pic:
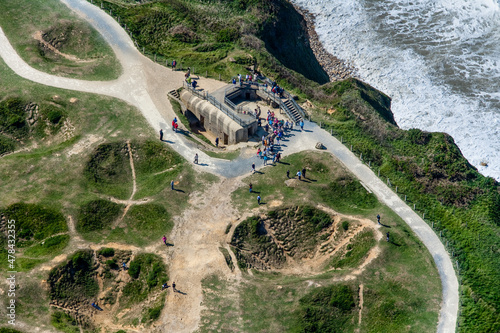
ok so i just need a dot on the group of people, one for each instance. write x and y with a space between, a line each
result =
248 78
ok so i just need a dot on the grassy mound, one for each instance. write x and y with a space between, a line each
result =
147 272
347 194
356 250
64 32
327 309
97 215
108 170
50 247
148 223
34 222
156 165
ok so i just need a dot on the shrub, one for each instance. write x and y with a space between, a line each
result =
74 280
227 35
55 115
345 225
134 269
106 252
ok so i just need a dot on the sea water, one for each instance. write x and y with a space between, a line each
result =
439 61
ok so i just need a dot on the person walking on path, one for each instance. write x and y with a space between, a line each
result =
173 287
299 174
301 125
287 173
164 239
172 185
174 64
304 173
378 218
253 167
161 134
250 187
217 142
265 159
196 158
164 286
387 236
258 199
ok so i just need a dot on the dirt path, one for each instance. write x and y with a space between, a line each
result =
197 235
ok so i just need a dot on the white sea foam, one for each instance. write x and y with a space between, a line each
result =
439 60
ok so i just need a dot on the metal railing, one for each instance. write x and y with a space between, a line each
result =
227 111
278 101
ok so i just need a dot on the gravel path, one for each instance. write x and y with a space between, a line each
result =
145 84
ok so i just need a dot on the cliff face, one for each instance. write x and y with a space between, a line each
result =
285 37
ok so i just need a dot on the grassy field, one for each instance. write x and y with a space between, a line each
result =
66 32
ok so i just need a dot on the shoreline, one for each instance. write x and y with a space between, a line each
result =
337 69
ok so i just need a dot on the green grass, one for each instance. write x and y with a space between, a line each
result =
71 35
97 216
230 155
148 272
64 322
327 182
146 224
50 247
34 222
327 309
108 170
356 251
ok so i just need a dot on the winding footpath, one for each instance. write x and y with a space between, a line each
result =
144 84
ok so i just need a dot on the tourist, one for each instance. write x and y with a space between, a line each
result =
378 218
164 286
253 167
196 158
161 134
304 173
287 173
172 185
387 236
173 287
164 239
250 187
217 142
301 125
174 64
258 199
299 174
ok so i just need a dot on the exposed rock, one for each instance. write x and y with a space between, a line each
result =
319 145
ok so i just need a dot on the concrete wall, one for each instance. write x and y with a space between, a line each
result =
215 120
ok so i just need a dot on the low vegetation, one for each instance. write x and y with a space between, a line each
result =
74 282
34 222
148 272
108 170
429 169
327 309
70 47
96 215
